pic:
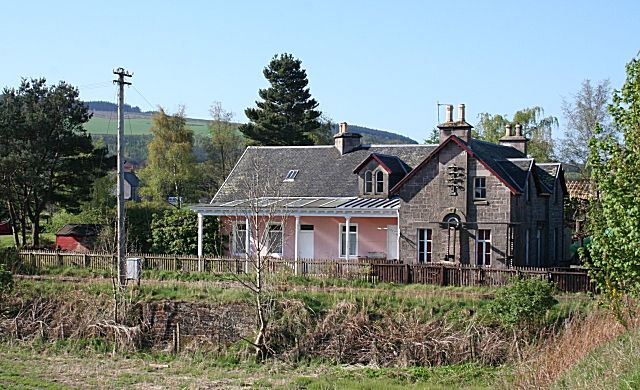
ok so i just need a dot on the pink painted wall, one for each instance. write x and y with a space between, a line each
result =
372 234
326 235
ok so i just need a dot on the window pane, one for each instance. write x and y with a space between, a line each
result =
379 182
480 188
368 182
483 247
353 239
421 246
275 239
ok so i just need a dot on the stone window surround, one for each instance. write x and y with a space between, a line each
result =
482 188
481 244
426 254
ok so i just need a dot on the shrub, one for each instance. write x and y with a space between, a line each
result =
522 303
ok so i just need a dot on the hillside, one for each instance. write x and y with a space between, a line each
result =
104 122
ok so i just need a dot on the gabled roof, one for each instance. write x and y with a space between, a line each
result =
322 170
486 153
391 164
81 230
132 179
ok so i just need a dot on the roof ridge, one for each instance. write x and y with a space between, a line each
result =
288 146
395 145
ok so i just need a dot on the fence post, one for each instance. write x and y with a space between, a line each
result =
441 275
86 260
60 259
297 266
406 276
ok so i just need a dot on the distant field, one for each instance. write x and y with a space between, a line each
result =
6 241
136 126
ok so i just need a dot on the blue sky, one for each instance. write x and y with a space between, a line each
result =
381 64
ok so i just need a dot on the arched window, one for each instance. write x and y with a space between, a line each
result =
368 182
452 221
379 182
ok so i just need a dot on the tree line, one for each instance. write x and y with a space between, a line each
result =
49 163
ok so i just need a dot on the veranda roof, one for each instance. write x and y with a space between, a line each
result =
327 206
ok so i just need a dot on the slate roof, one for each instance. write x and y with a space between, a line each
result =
548 173
393 164
81 230
132 179
512 165
322 171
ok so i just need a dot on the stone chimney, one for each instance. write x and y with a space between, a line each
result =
517 140
459 128
345 141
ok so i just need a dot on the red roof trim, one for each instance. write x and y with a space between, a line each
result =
366 160
463 146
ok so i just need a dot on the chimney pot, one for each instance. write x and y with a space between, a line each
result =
461 113
343 127
507 130
449 117
518 130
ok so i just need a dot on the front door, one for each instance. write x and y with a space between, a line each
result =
392 242
305 242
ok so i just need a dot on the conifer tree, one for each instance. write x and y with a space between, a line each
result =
287 114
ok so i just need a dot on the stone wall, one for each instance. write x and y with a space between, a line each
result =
426 200
215 325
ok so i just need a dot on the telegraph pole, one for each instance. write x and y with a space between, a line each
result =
122 247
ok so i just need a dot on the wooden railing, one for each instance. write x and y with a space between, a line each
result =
370 270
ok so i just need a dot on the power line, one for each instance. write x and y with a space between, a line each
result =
153 108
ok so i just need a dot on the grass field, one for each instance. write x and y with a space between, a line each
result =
6 241
616 365
33 367
136 126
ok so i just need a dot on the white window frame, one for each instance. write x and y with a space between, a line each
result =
234 239
368 182
381 182
269 242
426 255
351 247
483 244
476 187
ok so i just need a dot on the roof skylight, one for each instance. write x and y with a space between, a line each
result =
291 175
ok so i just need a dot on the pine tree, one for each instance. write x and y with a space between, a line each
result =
287 114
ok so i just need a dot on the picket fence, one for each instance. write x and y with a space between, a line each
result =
370 270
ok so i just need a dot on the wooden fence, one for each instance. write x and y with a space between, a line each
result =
371 270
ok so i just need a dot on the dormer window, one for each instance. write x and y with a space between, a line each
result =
368 182
291 175
379 182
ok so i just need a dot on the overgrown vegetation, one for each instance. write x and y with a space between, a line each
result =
614 263
523 303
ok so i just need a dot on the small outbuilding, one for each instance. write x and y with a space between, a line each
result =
5 228
77 237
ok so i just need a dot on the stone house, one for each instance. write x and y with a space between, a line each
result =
463 201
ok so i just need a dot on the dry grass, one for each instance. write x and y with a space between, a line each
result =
557 353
